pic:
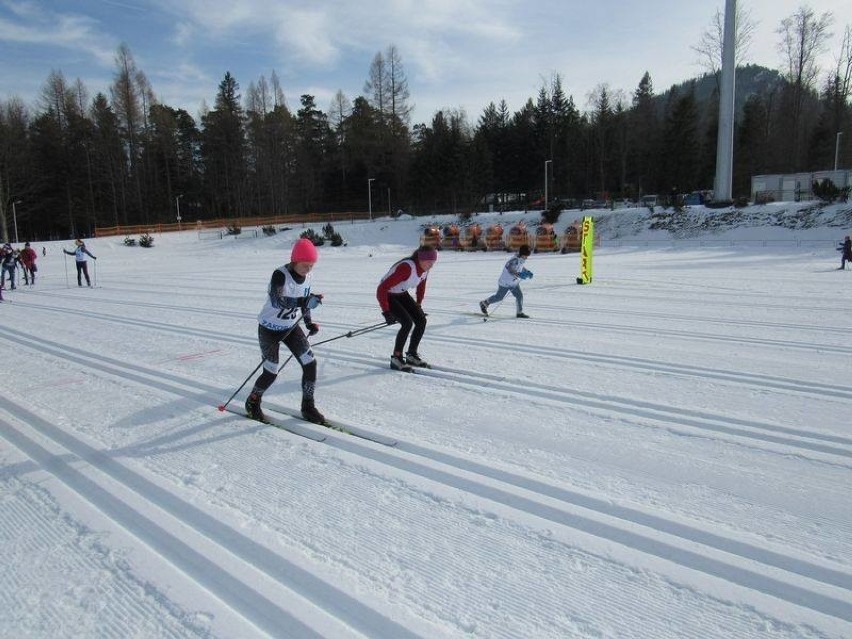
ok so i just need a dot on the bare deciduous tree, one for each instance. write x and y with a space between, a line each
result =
844 65
803 38
709 47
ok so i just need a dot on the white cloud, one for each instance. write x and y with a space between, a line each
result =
456 53
307 34
31 24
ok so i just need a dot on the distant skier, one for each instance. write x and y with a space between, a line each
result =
288 296
8 262
28 261
510 282
398 306
845 253
80 254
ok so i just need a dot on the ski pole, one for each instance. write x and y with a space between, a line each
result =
66 268
354 333
96 273
222 407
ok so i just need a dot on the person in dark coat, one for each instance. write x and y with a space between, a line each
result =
8 262
845 253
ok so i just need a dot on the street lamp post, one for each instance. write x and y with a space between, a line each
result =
15 218
837 149
370 196
546 201
177 204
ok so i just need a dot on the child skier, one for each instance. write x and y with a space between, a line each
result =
289 298
510 282
80 254
398 306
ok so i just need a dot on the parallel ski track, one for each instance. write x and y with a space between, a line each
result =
676 419
753 379
190 552
810 584
579 324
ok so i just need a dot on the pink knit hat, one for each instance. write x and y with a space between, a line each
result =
304 251
426 254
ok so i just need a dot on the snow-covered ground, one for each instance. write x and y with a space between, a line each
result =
665 453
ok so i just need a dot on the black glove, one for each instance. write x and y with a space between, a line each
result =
389 317
313 301
313 328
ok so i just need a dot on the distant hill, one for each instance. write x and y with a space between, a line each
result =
751 79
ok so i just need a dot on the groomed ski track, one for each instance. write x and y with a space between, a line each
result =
187 500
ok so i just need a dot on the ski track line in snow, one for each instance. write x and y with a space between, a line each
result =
664 317
753 379
673 418
757 380
33 520
808 584
183 550
213 310
690 335
676 419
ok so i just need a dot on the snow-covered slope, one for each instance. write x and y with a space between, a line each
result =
663 453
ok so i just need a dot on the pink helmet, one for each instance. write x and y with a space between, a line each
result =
304 251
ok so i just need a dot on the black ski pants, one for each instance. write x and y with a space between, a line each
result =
409 315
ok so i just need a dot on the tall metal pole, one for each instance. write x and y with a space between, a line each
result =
546 201
837 149
15 218
725 139
370 196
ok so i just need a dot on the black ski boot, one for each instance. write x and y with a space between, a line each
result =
397 363
253 407
522 315
413 359
483 306
310 412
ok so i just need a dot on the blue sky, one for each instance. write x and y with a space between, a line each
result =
456 53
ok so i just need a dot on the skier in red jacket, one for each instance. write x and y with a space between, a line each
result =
398 306
28 260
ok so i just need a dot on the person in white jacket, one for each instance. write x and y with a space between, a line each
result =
510 282
80 252
289 300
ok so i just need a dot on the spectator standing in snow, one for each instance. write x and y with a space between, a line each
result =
8 262
288 294
398 306
28 261
845 252
510 282
80 253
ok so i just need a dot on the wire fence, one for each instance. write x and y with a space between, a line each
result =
717 243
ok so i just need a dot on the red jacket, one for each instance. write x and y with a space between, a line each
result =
28 257
401 278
